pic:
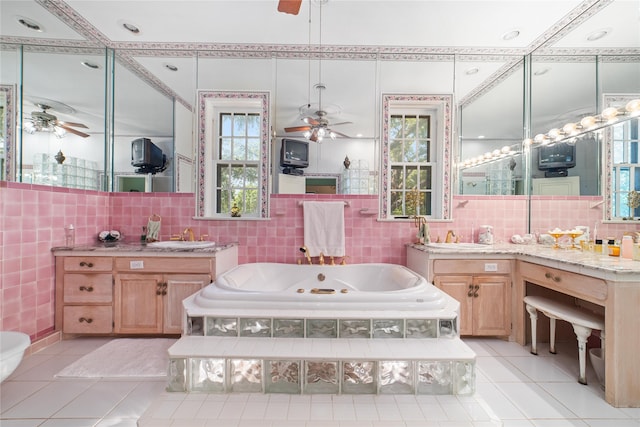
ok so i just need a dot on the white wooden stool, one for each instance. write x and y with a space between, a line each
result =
583 323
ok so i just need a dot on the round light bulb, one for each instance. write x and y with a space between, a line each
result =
610 113
487 155
588 122
570 128
555 133
539 138
496 153
633 106
506 148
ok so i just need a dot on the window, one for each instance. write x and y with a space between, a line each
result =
625 174
233 153
410 155
416 151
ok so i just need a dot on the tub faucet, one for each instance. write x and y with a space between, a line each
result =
451 237
321 259
190 231
305 251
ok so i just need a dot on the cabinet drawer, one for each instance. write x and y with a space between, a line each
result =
80 319
87 263
88 288
164 265
471 266
574 284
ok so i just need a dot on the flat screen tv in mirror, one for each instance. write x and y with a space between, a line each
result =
555 159
294 156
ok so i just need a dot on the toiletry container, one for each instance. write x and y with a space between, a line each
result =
485 235
69 236
626 247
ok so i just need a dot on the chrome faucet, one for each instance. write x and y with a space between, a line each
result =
305 251
192 238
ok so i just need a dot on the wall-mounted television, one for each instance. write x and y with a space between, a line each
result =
557 157
294 155
147 156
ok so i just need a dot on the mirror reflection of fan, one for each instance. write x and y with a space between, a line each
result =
316 129
44 121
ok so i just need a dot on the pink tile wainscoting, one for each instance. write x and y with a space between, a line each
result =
33 219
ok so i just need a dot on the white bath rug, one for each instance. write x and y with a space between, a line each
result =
125 357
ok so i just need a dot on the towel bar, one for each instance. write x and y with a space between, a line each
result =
346 202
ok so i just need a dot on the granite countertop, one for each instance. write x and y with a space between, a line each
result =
124 248
568 259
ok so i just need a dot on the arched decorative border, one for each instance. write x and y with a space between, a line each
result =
446 103
203 96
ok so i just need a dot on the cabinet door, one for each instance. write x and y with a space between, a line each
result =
138 303
491 305
461 289
179 287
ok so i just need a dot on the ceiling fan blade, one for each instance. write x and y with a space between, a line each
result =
72 130
289 6
314 136
339 133
78 125
341 123
297 129
311 121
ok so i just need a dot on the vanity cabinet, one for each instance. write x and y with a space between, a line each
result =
87 294
131 293
484 302
482 286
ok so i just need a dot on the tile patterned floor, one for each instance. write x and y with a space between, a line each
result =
514 389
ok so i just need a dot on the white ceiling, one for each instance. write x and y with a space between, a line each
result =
367 27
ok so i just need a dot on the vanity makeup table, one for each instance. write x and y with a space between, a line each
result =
602 284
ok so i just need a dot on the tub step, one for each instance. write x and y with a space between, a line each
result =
320 365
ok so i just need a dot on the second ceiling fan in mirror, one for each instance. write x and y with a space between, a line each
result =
42 120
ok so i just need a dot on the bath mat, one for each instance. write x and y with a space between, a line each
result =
126 357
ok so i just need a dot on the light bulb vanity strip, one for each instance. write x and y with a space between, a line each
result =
570 132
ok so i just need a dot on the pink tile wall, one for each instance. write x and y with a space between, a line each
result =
33 219
32 222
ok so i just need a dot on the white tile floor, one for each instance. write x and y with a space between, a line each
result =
514 389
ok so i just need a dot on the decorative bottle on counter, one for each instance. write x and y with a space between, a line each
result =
626 247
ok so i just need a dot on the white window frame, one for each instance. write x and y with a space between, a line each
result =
439 107
613 193
210 105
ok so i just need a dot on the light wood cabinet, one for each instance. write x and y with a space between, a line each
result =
484 302
85 296
152 303
130 294
482 286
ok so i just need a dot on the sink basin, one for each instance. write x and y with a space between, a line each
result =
178 244
457 246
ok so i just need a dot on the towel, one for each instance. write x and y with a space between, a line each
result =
324 228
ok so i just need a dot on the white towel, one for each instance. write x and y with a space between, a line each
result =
324 228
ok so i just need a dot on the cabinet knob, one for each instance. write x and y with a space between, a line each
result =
85 319
86 288
86 264
556 279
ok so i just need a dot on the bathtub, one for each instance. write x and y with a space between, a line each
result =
12 348
357 287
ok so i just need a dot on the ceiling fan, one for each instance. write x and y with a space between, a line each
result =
316 129
44 121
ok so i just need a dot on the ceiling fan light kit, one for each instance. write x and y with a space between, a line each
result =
42 121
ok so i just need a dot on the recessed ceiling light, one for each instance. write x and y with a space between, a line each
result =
541 71
131 28
510 35
170 67
471 71
29 23
480 136
597 35
91 65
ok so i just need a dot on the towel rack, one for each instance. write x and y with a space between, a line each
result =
346 203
